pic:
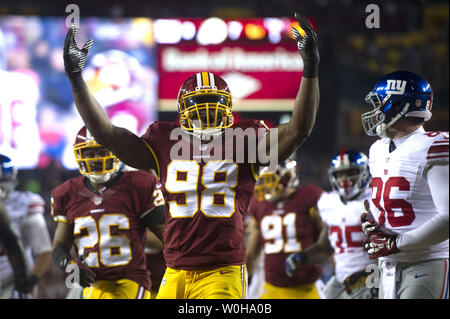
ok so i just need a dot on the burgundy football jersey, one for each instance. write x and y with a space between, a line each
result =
207 193
107 225
286 227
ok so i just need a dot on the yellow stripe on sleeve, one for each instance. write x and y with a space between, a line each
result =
154 156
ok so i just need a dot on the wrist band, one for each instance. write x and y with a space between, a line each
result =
310 70
76 82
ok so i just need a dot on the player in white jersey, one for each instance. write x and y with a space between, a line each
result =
407 222
340 211
25 211
19 95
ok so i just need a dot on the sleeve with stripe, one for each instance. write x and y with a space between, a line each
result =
438 152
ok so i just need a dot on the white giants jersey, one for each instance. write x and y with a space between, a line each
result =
344 232
19 132
26 213
401 198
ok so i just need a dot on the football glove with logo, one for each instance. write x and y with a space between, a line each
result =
307 46
74 58
381 245
293 260
368 223
62 258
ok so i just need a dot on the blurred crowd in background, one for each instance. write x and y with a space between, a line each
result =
413 36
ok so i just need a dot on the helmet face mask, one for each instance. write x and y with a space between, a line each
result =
349 174
94 161
205 105
397 95
8 176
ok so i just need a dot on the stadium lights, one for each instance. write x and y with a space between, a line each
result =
255 31
212 31
167 31
188 30
275 26
234 30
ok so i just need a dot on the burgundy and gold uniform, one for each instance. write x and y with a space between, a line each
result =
107 228
207 190
287 227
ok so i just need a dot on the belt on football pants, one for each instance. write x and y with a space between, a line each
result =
355 281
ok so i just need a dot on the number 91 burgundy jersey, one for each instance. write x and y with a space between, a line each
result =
285 229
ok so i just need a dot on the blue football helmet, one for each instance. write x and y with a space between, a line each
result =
8 176
398 94
349 174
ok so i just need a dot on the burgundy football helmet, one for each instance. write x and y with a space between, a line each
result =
94 161
204 103
273 181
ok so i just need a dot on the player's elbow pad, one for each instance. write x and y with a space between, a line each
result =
156 216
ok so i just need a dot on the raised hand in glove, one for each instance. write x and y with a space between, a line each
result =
368 223
74 58
307 46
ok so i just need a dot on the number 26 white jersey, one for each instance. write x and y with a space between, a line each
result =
401 198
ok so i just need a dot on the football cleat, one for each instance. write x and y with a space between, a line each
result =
8 176
349 174
94 161
397 95
273 181
205 104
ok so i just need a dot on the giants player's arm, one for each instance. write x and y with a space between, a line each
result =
10 242
37 237
128 147
254 245
436 229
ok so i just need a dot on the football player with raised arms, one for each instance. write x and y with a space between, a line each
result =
105 213
407 221
284 223
340 212
26 211
207 199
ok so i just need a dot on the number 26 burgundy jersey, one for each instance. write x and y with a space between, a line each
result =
108 224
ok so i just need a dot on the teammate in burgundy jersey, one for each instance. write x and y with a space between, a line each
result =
285 224
207 195
105 214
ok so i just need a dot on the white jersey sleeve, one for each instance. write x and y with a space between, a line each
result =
408 195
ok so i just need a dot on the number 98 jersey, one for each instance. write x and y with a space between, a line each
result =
207 189
401 198
108 224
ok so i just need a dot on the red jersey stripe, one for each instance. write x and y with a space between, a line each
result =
437 156
438 149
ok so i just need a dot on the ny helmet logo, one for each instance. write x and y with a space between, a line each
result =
395 87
